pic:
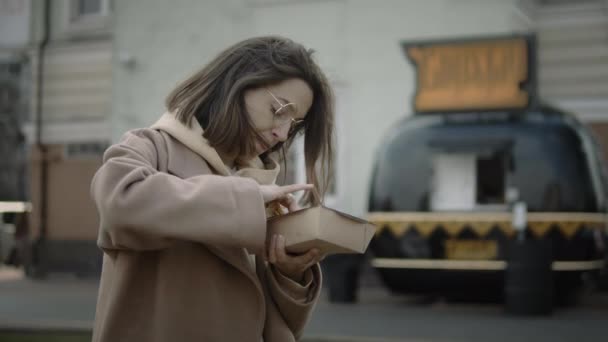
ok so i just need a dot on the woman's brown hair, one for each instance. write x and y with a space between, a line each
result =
215 97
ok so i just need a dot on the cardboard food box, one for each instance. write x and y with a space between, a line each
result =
320 227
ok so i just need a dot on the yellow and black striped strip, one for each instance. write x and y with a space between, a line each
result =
539 223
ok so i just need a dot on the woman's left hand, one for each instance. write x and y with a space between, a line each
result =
289 202
292 266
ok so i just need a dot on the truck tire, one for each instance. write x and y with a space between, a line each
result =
342 275
529 279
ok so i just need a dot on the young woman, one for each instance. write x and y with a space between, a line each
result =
183 204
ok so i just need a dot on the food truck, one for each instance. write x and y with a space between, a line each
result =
483 185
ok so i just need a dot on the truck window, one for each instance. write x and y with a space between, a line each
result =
468 181
491 179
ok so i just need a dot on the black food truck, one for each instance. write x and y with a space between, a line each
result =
484 190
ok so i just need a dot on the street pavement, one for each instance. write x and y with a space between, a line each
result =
380 316
57 303
64 302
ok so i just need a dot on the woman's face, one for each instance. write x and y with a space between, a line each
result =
273 109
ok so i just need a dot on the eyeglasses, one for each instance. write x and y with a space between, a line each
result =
286 114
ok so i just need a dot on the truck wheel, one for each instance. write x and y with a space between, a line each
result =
342 275
569 288
529 278
602 281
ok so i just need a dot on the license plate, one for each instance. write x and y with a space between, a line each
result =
471 249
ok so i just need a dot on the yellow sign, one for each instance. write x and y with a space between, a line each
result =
471 249
471 75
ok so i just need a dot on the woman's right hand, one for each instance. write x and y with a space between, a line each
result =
274 192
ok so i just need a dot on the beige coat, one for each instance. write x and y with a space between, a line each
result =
175 230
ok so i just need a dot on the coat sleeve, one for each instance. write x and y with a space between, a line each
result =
141 208
294 301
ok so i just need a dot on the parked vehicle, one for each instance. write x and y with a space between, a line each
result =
440 197
501 203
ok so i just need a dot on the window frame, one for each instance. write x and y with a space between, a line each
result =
88 24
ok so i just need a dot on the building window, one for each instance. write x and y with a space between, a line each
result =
87 150
88 7
89 17
470 181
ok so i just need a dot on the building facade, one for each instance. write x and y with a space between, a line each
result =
573 59
357 44
108 66
67 129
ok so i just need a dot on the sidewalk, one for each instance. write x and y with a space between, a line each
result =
64 304
60 302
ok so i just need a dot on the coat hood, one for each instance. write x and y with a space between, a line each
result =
192 137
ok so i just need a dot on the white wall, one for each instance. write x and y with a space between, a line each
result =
357 41
168 40
382 80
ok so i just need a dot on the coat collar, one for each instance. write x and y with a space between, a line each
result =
192 137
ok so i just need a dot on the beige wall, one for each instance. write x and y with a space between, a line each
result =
71 212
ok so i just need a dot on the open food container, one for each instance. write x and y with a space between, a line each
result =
329 230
